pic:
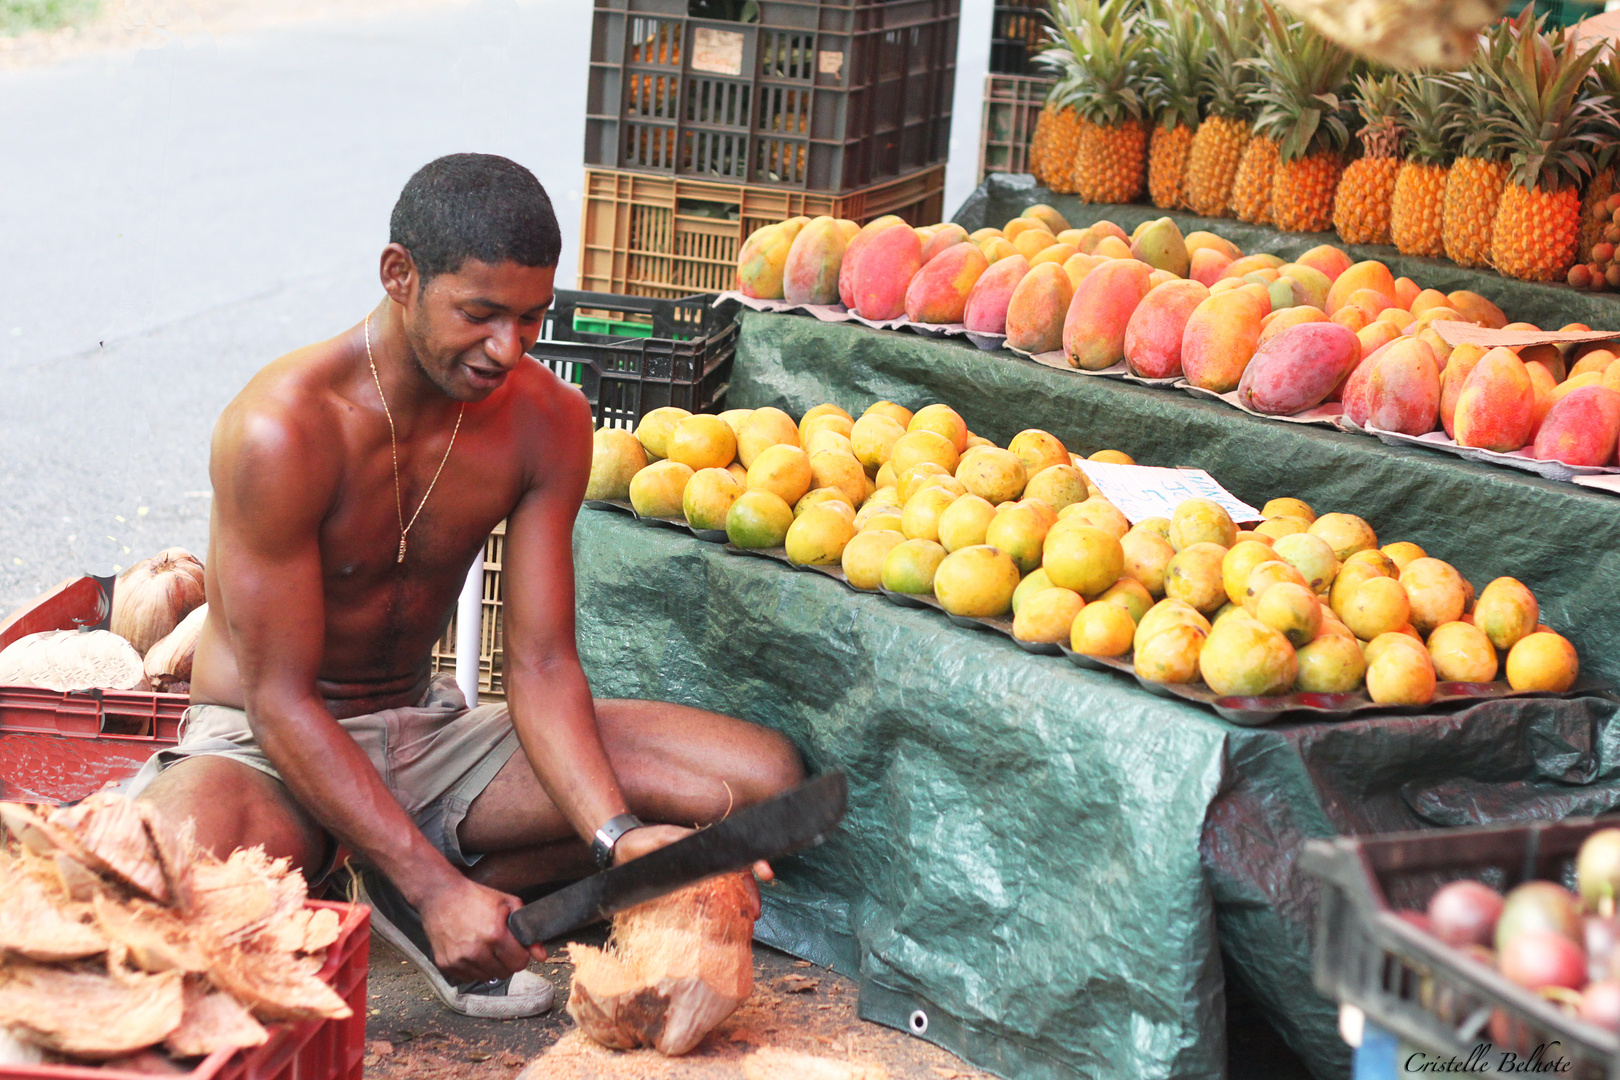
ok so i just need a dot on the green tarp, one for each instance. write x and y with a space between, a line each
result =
1039 858
1003 196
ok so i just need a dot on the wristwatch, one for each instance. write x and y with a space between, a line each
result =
607 837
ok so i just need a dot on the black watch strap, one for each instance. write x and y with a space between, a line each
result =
607 837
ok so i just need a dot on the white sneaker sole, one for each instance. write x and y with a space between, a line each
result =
527 994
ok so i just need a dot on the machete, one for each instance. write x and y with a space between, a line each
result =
781 825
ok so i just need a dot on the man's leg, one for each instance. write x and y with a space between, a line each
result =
235 806
676 765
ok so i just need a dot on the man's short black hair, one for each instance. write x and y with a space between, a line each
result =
474 206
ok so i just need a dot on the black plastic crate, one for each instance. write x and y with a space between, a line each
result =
686 363
817 95
1017 33
1407 981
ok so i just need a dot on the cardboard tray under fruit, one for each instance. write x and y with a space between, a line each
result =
1243 710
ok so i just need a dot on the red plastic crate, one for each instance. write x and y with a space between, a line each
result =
311 1050
59 747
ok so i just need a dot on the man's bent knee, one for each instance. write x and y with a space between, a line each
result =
779 766
235 806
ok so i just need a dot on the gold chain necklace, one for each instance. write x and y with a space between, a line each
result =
393 445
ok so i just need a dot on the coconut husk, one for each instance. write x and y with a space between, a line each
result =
212 1021
168 663
113 841
277 986
1404 34
72 660
673 968
86 1013
232 901
38 926
154 938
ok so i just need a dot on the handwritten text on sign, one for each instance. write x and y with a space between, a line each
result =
1143 491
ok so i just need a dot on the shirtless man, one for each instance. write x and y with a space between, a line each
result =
355 482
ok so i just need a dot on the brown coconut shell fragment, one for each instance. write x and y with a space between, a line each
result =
673 968
88 1013
212 1021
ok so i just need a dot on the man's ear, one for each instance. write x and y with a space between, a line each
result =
398 273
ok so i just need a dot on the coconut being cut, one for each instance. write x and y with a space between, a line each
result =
673 969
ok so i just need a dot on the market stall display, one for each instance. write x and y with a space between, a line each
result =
1298 613
1274 105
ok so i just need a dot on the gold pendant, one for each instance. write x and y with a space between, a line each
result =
401 551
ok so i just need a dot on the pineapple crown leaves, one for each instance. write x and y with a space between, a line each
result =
1480 105
1178 41
1304 106
1429 107
1606 81
1552 118
1110 61
1225 80
1378 102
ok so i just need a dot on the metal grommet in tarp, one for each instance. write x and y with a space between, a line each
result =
918 1022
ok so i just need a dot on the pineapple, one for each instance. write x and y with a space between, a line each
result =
1554 125
1303 112
1475 181
1251 188
1217 147
1416 215
1178 44
1361 205
1055 146
1113 141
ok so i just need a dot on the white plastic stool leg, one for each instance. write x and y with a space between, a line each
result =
469 630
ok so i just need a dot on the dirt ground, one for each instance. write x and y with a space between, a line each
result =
797 1012
800 1024
145 24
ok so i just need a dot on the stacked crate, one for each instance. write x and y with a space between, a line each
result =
700 128
1015 89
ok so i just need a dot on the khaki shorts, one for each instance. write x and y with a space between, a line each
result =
435 757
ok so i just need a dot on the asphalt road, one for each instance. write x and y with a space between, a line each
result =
172 219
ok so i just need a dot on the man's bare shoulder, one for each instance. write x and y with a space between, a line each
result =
547 407
290 407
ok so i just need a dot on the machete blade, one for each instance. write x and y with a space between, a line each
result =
789 822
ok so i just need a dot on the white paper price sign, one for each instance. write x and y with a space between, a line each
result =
1144 491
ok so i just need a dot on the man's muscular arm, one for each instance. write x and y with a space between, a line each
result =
274 472
546 689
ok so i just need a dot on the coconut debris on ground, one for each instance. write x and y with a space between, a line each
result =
798 1015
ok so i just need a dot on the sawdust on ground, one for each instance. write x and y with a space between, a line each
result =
799 1024
145 24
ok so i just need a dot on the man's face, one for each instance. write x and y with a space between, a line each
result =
470 328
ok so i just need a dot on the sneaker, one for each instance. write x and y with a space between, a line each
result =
523 994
